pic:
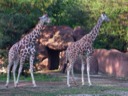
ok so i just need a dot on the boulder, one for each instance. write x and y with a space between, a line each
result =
42 65
42 52
56 37
112 62
52 41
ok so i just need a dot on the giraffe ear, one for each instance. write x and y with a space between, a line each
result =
39 18
46 15
103 13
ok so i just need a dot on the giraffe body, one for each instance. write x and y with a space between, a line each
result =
23 49
83 49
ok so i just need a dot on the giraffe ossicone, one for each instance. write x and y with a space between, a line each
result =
83 49
23 49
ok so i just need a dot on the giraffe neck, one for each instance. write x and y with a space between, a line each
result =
36 32
94 32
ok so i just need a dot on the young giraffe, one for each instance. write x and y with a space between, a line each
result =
23 49
83 48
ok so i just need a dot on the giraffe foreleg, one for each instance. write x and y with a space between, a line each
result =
82 74
88 70
14 71
22 60
31 70
8 73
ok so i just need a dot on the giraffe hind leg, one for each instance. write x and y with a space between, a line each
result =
82 74
82 57
22 60
88 70
31 70
68 75
8 73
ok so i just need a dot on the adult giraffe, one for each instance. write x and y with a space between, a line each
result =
83 48
23 49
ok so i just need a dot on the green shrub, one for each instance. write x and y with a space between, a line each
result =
19 16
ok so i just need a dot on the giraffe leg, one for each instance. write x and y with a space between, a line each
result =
14 71
31 70
22 60
8 73
68 74
82 73
72 71
88 70
73 78
82 69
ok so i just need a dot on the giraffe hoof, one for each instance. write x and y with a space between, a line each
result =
90 84
34 85
6 85
69 86
16 85
83 84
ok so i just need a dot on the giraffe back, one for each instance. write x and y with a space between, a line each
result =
79 47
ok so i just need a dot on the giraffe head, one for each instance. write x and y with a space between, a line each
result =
44 19
104 17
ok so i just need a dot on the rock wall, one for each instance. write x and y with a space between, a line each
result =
112 62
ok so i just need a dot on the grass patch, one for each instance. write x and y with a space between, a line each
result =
83 90
57 91
121 89
38 77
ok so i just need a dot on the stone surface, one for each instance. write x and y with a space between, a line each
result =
53 40
56 37
112 62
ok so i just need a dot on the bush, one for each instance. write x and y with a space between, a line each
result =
18 16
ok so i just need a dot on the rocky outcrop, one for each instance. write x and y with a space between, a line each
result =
112 62
52 41
56 37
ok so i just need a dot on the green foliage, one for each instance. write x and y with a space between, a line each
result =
18 16
11 28
68 12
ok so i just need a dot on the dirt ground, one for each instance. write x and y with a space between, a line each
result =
118 87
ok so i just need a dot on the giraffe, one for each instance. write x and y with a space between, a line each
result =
23 49
83 49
